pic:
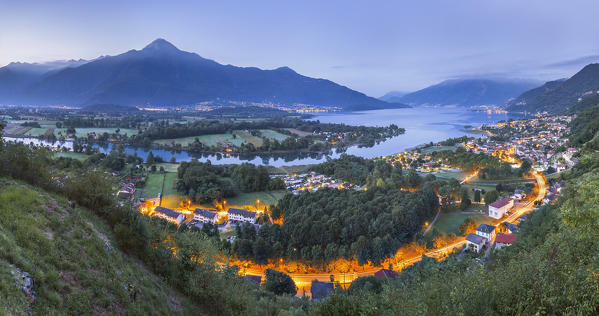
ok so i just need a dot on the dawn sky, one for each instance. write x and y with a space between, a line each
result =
371 46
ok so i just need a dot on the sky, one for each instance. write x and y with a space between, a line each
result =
370 46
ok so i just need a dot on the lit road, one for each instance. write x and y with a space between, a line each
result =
303 281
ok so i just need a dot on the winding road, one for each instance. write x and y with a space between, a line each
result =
303 281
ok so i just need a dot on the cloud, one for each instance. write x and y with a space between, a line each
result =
580 61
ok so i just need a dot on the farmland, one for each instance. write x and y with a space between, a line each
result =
82 132
273 135
207 140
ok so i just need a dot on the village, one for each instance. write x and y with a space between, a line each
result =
540 140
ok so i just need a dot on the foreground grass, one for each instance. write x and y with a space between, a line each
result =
74 262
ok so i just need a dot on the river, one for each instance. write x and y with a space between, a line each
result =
423 125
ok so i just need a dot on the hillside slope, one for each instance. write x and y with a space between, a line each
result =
561 96
73 261
468 92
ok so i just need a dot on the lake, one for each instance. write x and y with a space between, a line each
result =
423 125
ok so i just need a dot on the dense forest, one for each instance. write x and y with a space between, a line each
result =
488 167
361 171
204 182
321 226
584 129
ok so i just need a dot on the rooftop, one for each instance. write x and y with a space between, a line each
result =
474 238
485 228
505 238
205 213
167 211
242 212
501 203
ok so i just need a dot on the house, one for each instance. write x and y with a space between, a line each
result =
518 194
241 215
503 240
475 242
508 227
170 215
486 231
523 218
204 215
321 290
498 208
384 274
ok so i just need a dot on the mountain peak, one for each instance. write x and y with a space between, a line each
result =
159 45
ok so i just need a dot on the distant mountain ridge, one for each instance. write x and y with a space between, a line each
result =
393 96
468 92
161 74
562 95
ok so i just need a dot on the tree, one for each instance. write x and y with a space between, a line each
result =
491 196
279 283
261 251
150 159
468 226
465 199
445 193
476 195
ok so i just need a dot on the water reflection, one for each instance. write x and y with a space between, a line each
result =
422 125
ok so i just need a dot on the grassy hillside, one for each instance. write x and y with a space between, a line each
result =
73 260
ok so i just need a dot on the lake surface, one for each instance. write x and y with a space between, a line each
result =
423 125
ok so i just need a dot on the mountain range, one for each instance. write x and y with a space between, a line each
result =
467 92
393 96
561 96
161 74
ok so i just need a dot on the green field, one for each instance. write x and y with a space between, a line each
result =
486 187
458 175
273 135
298 132
450 222
153 185
170 181
82 132
168 167
256 141
208 140
15 129
250 198
36 132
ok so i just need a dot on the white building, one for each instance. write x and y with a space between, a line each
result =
170 215
498 208
475 242
241 215
486 231
204 215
